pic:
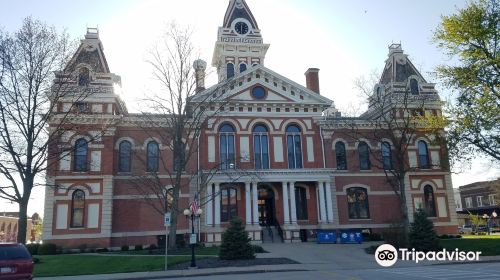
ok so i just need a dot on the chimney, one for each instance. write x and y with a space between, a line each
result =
312 79
199 72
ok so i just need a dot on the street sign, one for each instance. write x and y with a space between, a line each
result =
192 238
168 218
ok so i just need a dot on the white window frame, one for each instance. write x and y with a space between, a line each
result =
491 199
468 202
479 200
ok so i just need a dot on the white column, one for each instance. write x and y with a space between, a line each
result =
248 204
209 208
285 203
329 207
322 210
217 203
293 206
255 207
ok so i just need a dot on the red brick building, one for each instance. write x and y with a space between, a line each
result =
307 173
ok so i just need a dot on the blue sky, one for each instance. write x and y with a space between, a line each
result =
345 39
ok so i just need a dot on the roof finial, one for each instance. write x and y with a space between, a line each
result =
92 33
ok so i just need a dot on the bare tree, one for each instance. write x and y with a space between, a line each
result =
181 106
28 60
392 123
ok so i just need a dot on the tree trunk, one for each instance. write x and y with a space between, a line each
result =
404 214
173 226
23 221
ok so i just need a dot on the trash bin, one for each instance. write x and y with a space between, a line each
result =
351 237
325 237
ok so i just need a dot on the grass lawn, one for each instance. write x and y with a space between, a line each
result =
489 245
206 251
65 265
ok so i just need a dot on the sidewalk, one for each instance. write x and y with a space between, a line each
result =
186 273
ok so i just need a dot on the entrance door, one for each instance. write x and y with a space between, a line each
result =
265 204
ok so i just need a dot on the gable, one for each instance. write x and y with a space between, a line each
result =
91 53
238 9
270 96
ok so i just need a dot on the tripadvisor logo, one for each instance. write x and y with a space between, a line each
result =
386 255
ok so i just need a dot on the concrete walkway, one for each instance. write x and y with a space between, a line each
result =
312 256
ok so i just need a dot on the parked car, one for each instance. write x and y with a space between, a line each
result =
15 262
465 229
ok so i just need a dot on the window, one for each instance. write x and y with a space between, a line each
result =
423 157
479 200
357 200
84 77
260 147
179 156
124 154
80 153
228 204
81 107
430 205
153 156
414 87
243 67
301 203
364 156
491 199
340 155
294 147
386 155
258 92
226 145
77 208
468 202
230 70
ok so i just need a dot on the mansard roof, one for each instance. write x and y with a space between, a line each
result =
398 67
279 89
238 9
91 53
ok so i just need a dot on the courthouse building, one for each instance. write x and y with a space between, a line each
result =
307 174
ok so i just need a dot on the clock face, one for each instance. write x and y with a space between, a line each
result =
241 28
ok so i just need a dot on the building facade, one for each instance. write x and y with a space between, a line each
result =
480 198
286 164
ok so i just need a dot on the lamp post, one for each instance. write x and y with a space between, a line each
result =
192 238
488 221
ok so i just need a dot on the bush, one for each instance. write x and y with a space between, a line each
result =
33 248
372 237
124 247
394 235
236 243
82 248
258 249
102 250
47 249
180 240
152 247
422 235
138 247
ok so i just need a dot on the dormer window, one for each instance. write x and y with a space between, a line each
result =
414 87
84 77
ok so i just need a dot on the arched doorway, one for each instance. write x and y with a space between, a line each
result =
267 210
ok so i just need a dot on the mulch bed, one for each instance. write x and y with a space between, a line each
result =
216 262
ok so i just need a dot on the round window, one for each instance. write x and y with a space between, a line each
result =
258 92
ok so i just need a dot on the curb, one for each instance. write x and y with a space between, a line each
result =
485 261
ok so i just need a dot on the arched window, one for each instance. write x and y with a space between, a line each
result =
385 147
77 208
83 77
153 156
228 207
226 146
430 205
414 87
80 155
301 203
357 201
243 67
294 147
340 155
260 147
423 155
230 70
364 156
124 154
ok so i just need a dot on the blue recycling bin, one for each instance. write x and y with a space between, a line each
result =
325 237
351 237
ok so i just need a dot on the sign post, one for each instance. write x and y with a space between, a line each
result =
167 219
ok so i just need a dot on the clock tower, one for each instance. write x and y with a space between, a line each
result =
239 43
